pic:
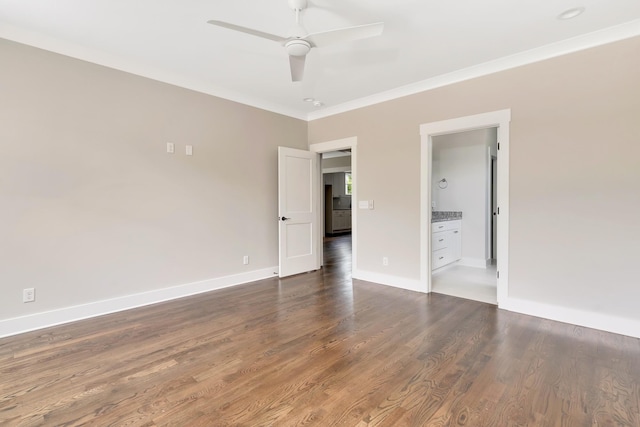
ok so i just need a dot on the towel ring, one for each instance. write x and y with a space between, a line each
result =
442 184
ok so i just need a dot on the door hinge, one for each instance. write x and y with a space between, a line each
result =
498 146
498 274
498 210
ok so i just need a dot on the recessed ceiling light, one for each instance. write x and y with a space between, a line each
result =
571 13
308 99
317 104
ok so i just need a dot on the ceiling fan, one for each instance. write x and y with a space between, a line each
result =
299 42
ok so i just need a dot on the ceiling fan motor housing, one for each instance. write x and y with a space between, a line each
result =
297 47
298 4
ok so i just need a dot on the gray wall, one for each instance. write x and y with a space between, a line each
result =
92 206
575 175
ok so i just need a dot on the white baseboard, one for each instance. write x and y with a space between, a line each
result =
473 262
18 325
388 280
603 322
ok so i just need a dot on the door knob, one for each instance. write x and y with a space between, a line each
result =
284 218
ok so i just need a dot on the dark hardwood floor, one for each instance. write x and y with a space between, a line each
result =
317 349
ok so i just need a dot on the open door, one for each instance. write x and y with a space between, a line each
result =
494 208
297 207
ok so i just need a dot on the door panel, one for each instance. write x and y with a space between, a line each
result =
299 240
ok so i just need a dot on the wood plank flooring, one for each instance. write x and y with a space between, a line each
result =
319 350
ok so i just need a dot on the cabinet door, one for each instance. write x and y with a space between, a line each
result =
338 184
338 220
348 219
456 244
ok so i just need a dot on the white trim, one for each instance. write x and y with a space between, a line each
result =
388 280
498 119
589 319
473 262
444 268
337 169
18 325
564 47
335 145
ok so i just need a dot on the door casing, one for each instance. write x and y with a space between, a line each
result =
334 145
501 120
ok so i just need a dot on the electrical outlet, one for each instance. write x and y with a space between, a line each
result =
28 295
171 147
245 259
385 261
189 150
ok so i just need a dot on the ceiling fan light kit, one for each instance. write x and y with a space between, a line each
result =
298 47
299 42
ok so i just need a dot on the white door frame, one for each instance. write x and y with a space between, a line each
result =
501 120
335 145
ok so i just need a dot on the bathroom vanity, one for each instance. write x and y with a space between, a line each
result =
446 238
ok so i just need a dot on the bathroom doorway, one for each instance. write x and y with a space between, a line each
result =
462 214
475 249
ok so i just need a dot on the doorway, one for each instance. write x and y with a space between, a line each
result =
500 120
461 215
335 201
338 186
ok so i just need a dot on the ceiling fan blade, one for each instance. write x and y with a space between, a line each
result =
345 34
297 67
248 31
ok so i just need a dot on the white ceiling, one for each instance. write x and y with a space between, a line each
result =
425 43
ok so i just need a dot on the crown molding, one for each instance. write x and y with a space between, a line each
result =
586 41
575 44
132 66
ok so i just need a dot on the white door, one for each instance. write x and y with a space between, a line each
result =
494 207
297 207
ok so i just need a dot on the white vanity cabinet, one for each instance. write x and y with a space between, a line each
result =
446 243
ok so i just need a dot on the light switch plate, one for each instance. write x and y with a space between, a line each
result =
171 147
363 204
189 150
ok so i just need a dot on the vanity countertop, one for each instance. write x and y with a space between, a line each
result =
439 216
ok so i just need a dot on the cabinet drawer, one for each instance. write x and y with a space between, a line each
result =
438 241
439 258
445 226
